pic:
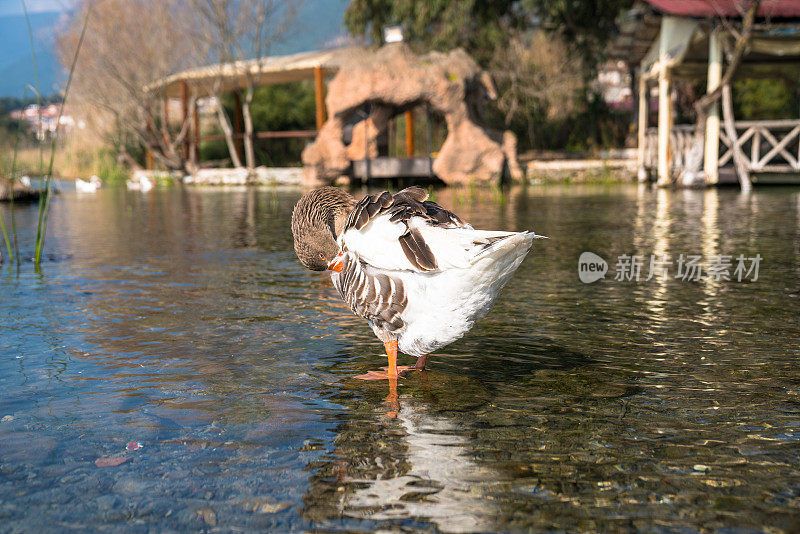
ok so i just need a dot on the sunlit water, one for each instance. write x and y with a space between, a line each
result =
180 319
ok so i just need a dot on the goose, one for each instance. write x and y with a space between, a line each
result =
90 186
418 273
140 183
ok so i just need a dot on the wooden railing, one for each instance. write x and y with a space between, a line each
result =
766 146
288 134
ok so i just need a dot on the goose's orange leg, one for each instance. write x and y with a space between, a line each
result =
393 401
392 372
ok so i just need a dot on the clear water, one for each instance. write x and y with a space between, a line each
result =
181 320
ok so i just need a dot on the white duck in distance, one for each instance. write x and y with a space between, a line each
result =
416 272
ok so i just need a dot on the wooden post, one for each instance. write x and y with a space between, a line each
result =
429 140
238 134
409 133
165 110
319 95
185 117
149 160
711 159
739 159
196 131
664 108
644 101
165 118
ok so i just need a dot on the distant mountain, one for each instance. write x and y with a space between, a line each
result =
318 25
16 66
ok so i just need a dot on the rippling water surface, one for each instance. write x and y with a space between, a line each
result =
180 319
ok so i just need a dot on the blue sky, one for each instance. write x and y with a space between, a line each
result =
14 7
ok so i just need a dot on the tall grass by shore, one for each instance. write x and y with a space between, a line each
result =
74 158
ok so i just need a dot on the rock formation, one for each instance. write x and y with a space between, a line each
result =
393 79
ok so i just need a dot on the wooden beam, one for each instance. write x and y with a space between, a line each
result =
185 117
165 118
196 132
166 111
409 133
149 158
319 95
730 129
664 114
288 134
778 147
644 100
711 155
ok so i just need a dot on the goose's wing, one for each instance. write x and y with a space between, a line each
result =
385 230
405 231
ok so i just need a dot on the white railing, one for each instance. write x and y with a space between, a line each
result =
766 146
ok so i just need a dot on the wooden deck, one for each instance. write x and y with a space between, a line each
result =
385 167
22 193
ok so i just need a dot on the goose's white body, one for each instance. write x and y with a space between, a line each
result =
443 303
142 183
90 186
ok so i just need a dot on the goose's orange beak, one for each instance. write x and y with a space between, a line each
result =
336 265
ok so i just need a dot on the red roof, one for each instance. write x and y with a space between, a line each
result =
726 8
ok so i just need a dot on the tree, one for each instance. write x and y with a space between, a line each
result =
475 25
129 44
509 39
537 80
236 30
482 27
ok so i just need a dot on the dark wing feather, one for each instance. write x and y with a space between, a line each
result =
417 250
377 297
402 206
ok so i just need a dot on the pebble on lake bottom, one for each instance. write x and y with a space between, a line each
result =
111 461
263 506
207 515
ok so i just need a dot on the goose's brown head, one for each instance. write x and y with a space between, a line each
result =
317 220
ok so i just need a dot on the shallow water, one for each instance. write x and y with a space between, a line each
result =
181 320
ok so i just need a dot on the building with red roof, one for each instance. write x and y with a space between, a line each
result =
664 41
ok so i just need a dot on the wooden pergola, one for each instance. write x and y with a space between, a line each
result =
214 80
665 40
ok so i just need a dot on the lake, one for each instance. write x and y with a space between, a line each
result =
176 332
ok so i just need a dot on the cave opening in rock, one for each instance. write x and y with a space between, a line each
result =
385 141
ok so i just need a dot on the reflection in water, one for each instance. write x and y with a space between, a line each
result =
439 481
710 243
410 463
181 320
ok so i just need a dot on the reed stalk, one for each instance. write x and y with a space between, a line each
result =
36 88
12 177
5 238
44 205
